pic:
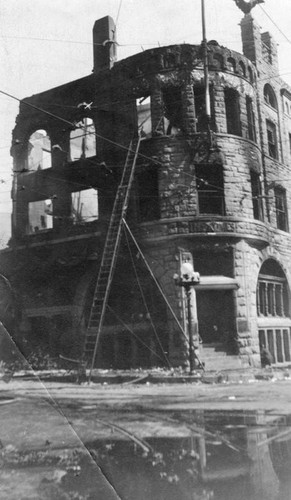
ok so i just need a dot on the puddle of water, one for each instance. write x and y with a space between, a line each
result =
220 455
227 455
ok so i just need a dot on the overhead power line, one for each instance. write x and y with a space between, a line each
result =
275 24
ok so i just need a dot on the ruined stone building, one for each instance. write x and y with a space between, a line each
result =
218 193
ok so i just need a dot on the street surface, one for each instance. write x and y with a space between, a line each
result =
55 436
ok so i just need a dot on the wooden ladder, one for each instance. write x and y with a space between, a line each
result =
109 257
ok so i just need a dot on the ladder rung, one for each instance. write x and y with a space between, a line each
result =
104 277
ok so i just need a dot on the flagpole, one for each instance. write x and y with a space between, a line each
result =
205 63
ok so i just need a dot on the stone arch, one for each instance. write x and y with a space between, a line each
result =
273 312
270 96
271 253
231 64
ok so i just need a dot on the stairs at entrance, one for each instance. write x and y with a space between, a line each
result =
215 358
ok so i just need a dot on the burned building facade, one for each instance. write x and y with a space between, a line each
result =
216 192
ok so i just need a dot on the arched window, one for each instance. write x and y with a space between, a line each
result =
270 97
231 64
39 151
272 296
218 61
83 140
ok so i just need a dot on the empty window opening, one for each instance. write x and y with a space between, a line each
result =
85 206
144 116
270 97
256 196
232 111
218 60
242 68
272 139
148 194
39 151
281 208
200 109
173 114
251 119
83 140
231 64
40 216
209 179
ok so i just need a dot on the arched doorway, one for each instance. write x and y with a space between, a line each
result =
273 311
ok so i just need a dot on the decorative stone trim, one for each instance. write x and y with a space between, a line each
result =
228 227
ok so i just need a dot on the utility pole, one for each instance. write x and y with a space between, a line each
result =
205 64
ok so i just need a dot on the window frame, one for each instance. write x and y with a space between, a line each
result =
272 297
281 208
251 119
81 149
270 97
206 189
272 139
232 111
256 188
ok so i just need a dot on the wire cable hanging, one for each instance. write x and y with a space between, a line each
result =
144 300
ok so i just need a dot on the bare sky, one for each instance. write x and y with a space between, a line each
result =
45 43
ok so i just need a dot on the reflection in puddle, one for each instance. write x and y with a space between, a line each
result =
222 456
208 455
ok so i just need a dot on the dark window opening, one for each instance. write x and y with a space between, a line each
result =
242 68
210 190
148 194
173 112
270 97
232 111
281 208
251 119
256 196
231 64
290 144
200 111
272 139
